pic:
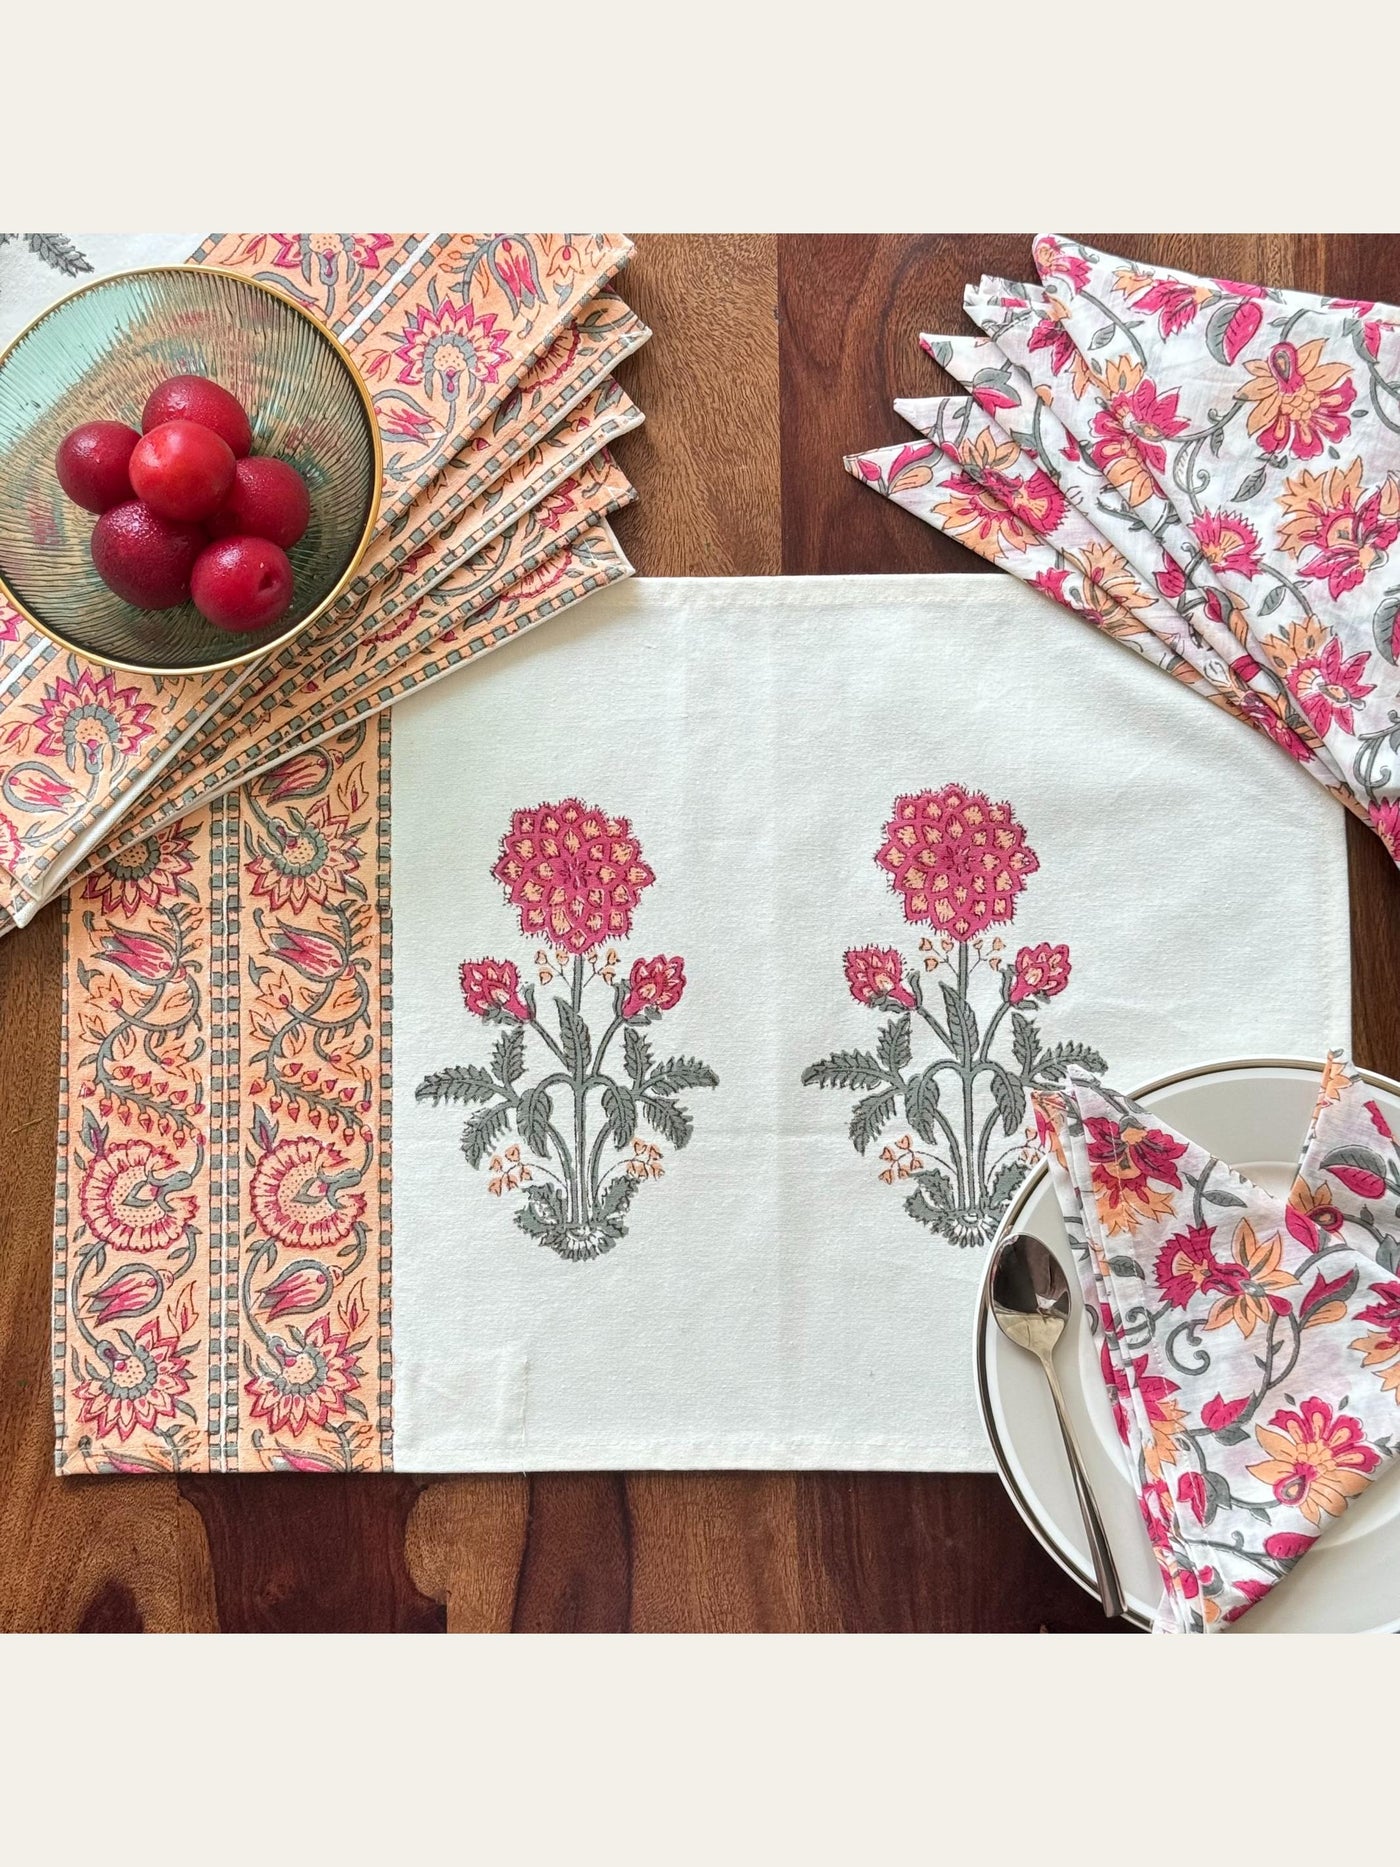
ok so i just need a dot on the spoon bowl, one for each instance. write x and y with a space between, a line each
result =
1030 1302
1030 1293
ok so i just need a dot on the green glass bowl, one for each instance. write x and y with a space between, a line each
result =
95 356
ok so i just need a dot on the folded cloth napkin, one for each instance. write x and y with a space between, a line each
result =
1250 1345
1234 452
488 358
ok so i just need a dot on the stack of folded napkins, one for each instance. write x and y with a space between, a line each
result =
490 360
1205 469
1250 1345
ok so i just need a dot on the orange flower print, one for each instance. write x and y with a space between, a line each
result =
307 1381
1125 1160
1298 402
1006 510
1380 1348
1334 1080
1165 1418
1317 1461
133 1197
1187 1265
302 1194
1337 530
1311 1211
1054 261
1326 684
1110 592
145 1378
1255 1278
1173 301
143 875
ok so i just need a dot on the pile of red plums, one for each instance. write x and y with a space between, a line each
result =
188 511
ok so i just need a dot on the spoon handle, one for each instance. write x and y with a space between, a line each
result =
1110 1589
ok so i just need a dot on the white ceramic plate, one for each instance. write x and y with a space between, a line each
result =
1253 1115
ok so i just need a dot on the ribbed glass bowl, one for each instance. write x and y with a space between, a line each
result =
96 356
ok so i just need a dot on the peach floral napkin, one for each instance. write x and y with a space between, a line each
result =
1207 469
1250 1345
488 357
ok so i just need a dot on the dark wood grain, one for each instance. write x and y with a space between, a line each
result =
773 358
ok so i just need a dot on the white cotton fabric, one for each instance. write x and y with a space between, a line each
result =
772 1304
29 283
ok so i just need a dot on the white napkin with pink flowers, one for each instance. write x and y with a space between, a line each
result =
1205 469
1250 1345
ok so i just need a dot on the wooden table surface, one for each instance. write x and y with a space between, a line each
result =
772 357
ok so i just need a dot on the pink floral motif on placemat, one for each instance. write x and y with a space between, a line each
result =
576 875
954 1130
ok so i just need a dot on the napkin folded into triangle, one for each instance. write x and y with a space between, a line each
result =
1206 469
1250 1344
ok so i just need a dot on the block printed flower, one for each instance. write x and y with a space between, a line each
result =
654 985
133 1197
575 875
145 874
1317 1460
957 863
304 1379
91 722
490 986
956 860
1336 529
1298 402
143 1381
875 975
448 349
303 1194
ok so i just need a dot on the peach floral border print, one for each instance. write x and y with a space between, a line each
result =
72 752
380 669
220 1309
332 275
76 739
290 684
603 417
581 357
217 1307
565 1111
457 331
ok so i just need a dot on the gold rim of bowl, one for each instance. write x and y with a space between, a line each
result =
376 442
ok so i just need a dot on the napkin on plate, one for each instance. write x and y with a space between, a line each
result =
1250 1345
1235 451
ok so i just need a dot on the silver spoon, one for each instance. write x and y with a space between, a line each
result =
1030 1300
